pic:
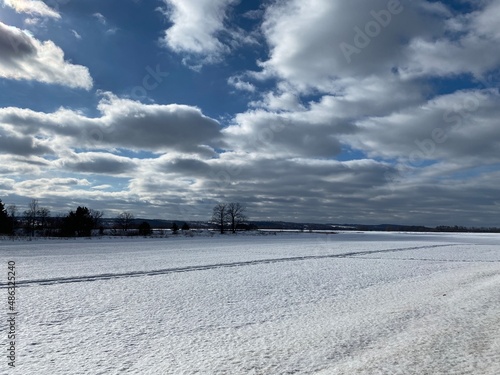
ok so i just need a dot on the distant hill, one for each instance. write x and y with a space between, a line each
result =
284 225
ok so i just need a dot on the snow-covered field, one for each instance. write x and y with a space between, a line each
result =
350 303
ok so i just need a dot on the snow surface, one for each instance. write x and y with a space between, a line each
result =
350 303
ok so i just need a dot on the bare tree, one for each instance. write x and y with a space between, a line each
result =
124 220
31 216
43 215
96 217
219 215
12 211
235 215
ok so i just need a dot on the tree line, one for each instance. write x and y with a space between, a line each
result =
83 221
38 220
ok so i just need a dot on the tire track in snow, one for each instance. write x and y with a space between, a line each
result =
434 260
109 276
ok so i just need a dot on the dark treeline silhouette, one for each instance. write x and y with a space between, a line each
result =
78 223
456 228
81 222
417 228
6 221
145 229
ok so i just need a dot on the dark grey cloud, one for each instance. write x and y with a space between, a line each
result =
14 44
19 145
185 167
159 128
22 57
98 163
321 191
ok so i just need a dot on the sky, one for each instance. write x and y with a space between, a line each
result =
327 111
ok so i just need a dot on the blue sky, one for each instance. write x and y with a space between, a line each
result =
325 111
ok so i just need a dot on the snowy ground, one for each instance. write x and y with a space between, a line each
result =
351 303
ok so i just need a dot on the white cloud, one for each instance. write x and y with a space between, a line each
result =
100 18
32 7
22 166
22 57
112 31
103 21
123 124
284 135
467 47
59 183
314 45
485 21
305 40
64 192
281 124
197 26
75 33
156 127
102 187
239 84
444 58
6 184
460 127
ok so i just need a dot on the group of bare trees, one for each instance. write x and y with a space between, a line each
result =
124 221
228 214
36 217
